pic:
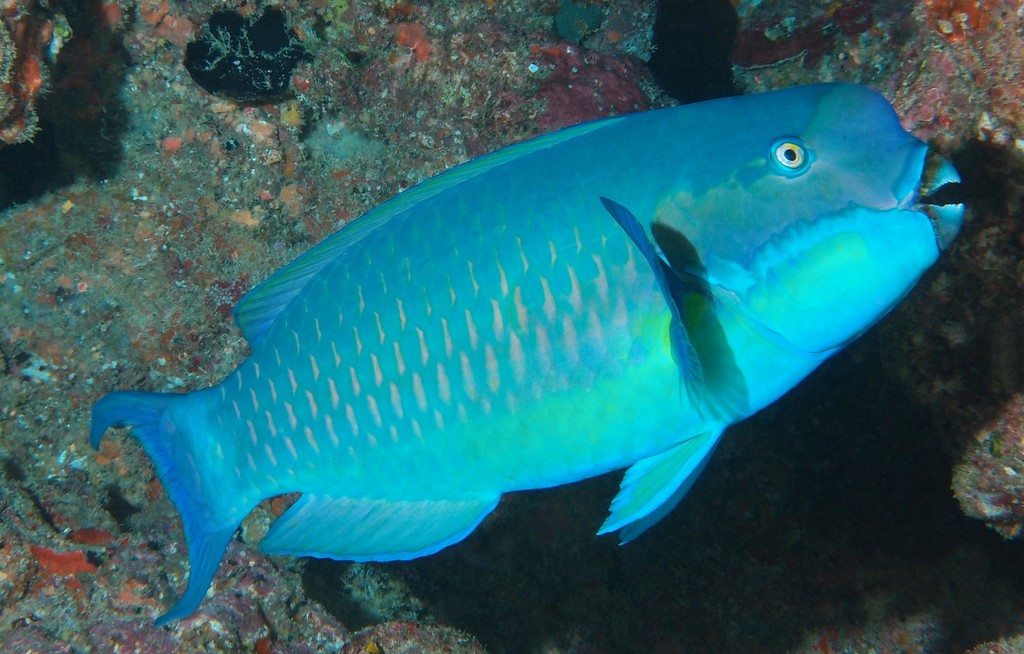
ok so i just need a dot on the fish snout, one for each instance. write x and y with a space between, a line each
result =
940 197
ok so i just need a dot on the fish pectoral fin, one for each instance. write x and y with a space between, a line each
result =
690 371
654 486
361 529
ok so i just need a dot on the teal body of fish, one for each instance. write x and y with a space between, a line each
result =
612 295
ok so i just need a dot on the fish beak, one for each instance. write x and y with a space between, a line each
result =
940 197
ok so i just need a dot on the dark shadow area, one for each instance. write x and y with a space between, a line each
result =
119 508
81 119
692 43
321 582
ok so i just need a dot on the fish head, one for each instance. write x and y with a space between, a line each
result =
822 217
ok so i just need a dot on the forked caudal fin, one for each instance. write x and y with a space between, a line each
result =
169 428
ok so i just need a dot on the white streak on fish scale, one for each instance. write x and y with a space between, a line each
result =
493 372
238 378
335 398
337 357
316 325
543 345
575 296
407 264
401 314
595 331
298 341
502 279
570 344
255 400
293 421
362 301
424 351
252 432
517 358
418 392
383 284
579 241
448 346
313 408
511 402
474 337
316 368
238 410
378 374
256 369
350 415
251 460
277 358
291 447
438 420
273 390
270 424
444 389
601 281
372 440
620 314
497 321
416 429
461 412
472 279
399 359
396 400
485 406
329 421
451 292
468 381
270 454
522 314
312 440
355 381
426 304
553 249
238 472
548 307
522 255
371 404
629 269
359 342
291 380
393 431
381 336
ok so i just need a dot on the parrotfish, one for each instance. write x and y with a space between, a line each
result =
612 295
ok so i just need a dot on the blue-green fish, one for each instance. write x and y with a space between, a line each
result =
612 295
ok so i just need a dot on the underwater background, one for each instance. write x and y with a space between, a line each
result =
144 190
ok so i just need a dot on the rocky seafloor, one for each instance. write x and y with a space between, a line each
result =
876 508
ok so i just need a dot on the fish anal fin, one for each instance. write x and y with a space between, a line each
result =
360 529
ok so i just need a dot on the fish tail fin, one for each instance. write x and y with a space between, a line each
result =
171 430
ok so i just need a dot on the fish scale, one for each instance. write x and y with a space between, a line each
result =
613 295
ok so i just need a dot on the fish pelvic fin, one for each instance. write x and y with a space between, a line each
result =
170 428
654 486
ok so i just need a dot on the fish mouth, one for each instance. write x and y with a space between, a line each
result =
941 197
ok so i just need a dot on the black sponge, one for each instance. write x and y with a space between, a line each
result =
249 60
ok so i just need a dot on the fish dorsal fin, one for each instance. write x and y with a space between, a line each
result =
258 310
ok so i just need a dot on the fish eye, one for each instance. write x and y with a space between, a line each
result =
790 156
